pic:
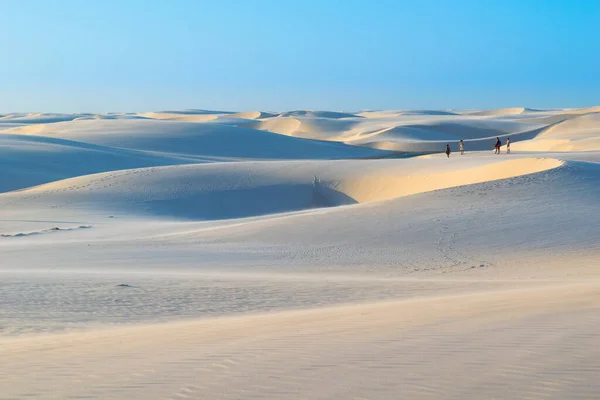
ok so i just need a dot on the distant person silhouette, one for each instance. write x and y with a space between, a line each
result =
461 147
448 151
507 145
497 146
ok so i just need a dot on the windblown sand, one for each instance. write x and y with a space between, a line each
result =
300 255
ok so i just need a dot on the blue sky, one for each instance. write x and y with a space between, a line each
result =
138 55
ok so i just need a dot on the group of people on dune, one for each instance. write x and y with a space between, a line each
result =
461 147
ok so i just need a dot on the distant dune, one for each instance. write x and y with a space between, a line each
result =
580 132
317 114
253 115
40 118
284 125
499 111
427 112
202 141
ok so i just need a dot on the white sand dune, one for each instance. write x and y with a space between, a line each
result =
576 133
397 113
500 111
423 131
428 112
193 115
430 137
29 160
181 117
253 115
444 231
225 255
417 131
548 119
317 114
285 126
39 118
309 128
236 190
217 142
594 109
448 347
376 114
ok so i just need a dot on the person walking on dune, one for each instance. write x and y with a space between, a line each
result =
507 145
448 151
497 146
461 147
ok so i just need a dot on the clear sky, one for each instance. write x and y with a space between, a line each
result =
139 55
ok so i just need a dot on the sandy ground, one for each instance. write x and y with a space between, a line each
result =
300 255
536 342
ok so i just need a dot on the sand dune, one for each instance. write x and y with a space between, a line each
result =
253 115
529 134
428 136
444 231
451 231
403 131
583 124
203 141
317 114
285 126
33 160
236 190
380 113
311 128
499 111
407 128
225 255
403 182
39 118
193 115
587 110
423 131
181 117
427 112
549 119
186 112
397 113
576 133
